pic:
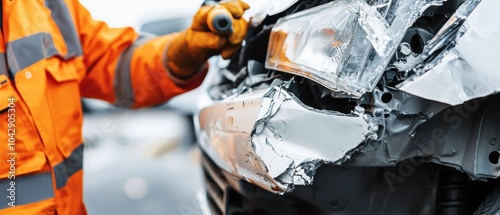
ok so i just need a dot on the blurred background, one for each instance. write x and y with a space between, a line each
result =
144 161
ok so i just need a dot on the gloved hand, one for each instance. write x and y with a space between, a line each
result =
191 48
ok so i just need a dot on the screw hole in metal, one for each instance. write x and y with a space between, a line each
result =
494 157
386 97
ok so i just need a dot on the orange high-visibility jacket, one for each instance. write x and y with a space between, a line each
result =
52 53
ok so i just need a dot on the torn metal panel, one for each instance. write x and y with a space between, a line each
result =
451 31
225 127
462 137
267 137
290 156
270 138
398 119
470 69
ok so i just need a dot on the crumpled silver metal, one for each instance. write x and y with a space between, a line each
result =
271 139
470 68
260 137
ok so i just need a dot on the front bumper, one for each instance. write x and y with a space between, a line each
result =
271 139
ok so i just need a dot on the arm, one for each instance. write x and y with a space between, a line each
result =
134 71
124 68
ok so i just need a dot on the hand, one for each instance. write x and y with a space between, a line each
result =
190 49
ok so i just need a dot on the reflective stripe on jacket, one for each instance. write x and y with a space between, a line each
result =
57 54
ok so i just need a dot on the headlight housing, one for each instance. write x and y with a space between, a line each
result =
344 45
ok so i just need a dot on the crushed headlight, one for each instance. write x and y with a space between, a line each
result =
344 45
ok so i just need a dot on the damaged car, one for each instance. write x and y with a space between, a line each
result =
357 107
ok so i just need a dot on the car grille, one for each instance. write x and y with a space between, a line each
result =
215 185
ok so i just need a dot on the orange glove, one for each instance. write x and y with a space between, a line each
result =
191 48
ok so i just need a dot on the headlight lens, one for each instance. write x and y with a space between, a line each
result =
344 45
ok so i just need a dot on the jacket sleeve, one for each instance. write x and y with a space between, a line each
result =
126 68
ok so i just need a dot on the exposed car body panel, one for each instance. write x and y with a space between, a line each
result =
470 69
260 136
270 138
